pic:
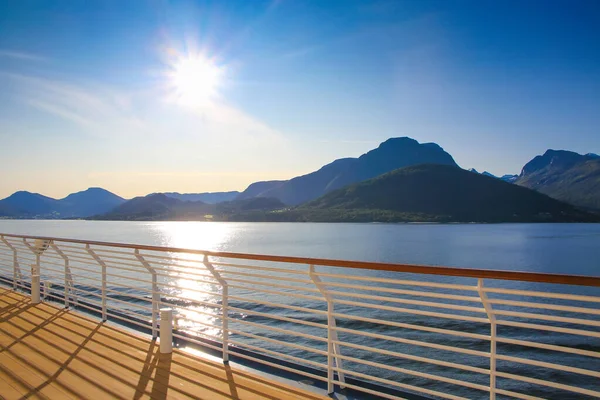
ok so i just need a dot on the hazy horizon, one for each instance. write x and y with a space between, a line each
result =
186 96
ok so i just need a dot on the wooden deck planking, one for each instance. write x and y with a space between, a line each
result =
50 353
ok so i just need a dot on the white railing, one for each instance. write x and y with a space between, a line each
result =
382 329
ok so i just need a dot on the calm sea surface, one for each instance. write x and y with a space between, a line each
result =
550 248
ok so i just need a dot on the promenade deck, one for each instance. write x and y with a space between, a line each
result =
50 352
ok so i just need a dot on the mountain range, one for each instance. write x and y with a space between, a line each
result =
392 154
86 203
563 175
440 193
160 206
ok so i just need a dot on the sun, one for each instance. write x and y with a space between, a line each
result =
195 79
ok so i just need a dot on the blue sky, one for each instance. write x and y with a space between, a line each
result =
92 93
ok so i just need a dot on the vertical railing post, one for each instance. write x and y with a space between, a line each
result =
103 265
224 306
166 330
492 318
155 293
333 347
68 278
17 276
35 271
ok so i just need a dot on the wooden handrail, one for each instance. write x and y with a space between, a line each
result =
564 279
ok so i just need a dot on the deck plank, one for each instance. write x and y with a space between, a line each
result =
49 352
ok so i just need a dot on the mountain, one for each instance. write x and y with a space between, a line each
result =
441 193
483 173
29 204
158 206
392 154
253 204
81 204
208 197
509 178
258 189
566 176
89 202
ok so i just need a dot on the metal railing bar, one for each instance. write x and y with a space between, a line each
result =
413 326
405 292
182 317
433 361
286 306
76 267
280 330
177 272
424 375
559 367
551 328
187 299
277 317
261 268
136 305
195 301
279 278
517 395
277 366
554 385
147 300
272 284
546 306
300 296
416 342
371 391
186 289
553 347
397 384
134 314
545 317
548 295
409 301
71 257
278 354
428 270
403 282
279 342
412 311
99 295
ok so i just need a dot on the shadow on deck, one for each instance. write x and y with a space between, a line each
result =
47 352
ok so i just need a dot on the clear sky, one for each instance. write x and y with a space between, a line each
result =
194 96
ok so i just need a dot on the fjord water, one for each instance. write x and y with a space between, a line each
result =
547 248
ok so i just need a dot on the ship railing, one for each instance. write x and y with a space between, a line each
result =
377 328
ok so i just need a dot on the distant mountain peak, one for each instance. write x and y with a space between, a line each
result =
555 159
396 152
565 175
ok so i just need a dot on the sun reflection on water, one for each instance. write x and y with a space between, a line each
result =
191 287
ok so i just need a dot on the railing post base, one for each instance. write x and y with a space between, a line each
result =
35 289
166 330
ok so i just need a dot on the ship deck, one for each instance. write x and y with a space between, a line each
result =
50 352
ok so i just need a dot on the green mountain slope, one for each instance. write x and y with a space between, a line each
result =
161 207
392 154
438 193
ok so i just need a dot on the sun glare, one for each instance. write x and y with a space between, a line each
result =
195 79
